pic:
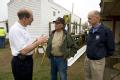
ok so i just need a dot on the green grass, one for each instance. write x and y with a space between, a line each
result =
40 72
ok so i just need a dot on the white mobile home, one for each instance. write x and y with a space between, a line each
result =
44 11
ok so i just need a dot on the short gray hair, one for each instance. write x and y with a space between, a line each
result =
95 12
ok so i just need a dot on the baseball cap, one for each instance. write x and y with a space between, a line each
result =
61 20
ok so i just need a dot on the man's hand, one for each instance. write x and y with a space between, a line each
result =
39 41
42 39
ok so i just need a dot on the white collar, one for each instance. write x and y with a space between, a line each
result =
20 26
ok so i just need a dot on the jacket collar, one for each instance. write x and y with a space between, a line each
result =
100 29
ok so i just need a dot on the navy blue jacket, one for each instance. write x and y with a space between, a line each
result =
100 43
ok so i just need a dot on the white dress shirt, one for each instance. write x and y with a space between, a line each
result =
18 38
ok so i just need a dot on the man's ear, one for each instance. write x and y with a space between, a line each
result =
25 19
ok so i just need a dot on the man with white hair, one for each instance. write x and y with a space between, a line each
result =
100 44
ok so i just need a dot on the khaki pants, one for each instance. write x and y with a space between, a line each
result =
94 69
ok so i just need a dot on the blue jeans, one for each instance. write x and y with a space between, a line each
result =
58 64
2 42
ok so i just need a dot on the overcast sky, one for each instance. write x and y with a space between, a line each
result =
80 7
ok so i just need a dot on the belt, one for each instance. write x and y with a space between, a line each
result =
23 57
